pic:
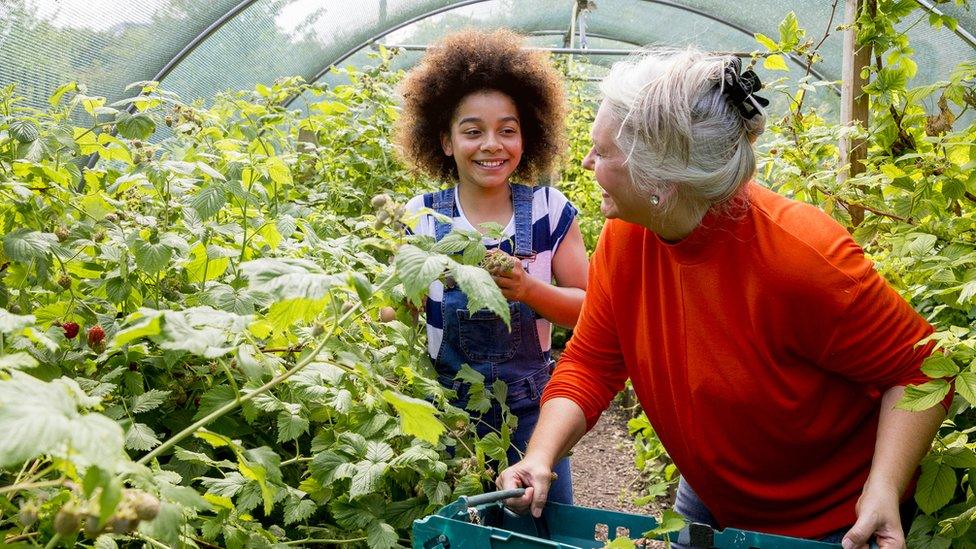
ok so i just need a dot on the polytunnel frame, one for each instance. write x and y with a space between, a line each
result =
193 44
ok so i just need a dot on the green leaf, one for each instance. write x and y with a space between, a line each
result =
140 437
166 526
289 278
143 326
481 290
671 521
150 257
185 496
960 457
924 396
208 264
213 399
417 417
355 515
210 200
766 42
24 131
290 426
939 366
150 400
966 385
790 32
775 63
378 452
58 94
936 485
367 478
297 510
381 535
25 245
401 514
417 269
38 418
467 374
135 126
109 498
325 465
11 323
17 361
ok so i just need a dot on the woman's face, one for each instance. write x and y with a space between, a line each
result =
485 139
606 160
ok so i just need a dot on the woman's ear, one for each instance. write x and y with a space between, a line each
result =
446 145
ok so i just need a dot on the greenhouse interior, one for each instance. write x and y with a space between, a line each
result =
304 273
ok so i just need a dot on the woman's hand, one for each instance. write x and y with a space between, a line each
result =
878 516
516 284
533 475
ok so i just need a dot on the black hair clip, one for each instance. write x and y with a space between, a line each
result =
741 89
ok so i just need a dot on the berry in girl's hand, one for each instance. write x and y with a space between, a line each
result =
497 262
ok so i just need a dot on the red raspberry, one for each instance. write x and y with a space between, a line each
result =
70 329
95 336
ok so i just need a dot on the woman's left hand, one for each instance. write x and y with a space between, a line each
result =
515 284
878 516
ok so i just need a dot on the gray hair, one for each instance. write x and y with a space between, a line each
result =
678 131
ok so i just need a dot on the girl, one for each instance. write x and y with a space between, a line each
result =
481 112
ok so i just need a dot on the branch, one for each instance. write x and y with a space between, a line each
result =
846 204
172 441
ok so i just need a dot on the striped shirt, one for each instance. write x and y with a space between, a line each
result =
552 215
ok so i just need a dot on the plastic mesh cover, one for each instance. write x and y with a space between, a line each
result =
101 44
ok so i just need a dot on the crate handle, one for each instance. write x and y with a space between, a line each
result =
492 497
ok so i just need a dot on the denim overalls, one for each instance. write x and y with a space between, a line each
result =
481 340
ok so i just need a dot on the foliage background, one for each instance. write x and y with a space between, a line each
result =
231 256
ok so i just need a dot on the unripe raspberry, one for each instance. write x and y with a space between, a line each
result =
146 506
62 233
67 521
387 314
380 200
112 217
28 514
64 281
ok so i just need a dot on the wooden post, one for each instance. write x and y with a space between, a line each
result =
853 101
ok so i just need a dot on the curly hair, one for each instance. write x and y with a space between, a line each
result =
475 61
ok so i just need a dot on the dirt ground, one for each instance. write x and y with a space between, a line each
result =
604 475
603 468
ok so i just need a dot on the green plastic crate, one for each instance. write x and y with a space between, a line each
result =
482 522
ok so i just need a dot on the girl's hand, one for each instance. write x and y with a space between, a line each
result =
877 515
516 284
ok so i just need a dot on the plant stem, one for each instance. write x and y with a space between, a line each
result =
54 541
322 540
260 390
30 485
295 459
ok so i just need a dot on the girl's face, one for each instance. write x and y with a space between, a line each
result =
485 139
607 161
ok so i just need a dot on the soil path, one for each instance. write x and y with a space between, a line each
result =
604 475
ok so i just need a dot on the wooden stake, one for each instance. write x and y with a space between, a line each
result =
853 101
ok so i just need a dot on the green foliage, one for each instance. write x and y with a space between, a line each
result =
913 209
201 321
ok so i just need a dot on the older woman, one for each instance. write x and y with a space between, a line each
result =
765 349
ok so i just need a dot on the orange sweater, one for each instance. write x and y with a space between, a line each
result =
759 347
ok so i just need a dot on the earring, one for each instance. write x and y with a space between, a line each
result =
655 199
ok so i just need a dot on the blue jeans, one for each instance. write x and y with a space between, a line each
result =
690 506
512 354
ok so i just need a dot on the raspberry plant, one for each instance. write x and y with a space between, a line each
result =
224 266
